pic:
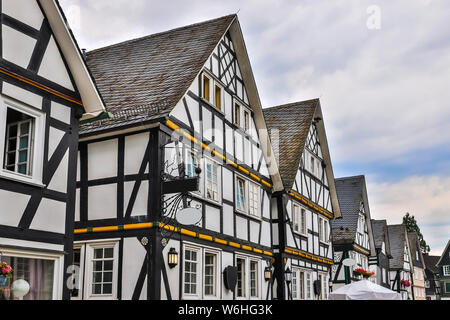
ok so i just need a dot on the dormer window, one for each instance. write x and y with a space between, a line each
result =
246 121
237 114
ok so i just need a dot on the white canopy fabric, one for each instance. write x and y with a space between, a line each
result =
364 290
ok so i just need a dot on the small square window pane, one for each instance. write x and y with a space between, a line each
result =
24 128
97 277
109 253
12 144
97 289
13 131
24 142
98 265
22 169
107 289
23 156
107 277
11 158
98 253
108 265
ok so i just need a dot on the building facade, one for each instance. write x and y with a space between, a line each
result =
380 262
418 267
444 273
432 283
45 90
400 266
308 202
352 235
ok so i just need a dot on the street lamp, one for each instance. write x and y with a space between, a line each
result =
267 273
288 276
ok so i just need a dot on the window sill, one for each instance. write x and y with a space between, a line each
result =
301 234
21 179
200 197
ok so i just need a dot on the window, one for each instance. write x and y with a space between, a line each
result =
417 255
190 271
39 270
313 165
191 164
248 280
206 88
241 277
447 287
446 270
323 230
22 142
254 199
324 287
102 271
76 263
308 286
210 273
218 92
254 279
299 219
237 114
241 197
298 284
212 180
200 273
246 121
427 284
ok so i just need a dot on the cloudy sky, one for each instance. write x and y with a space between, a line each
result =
381 69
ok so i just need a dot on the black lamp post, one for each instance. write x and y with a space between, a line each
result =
267 273
173 258
288 279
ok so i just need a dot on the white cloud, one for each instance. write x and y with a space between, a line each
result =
425 197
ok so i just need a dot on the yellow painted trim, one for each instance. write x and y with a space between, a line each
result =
176 128
189 233
234 244
246 248
267 253
138 226
80 231
308 256
221 241
310 204
257 250
205 237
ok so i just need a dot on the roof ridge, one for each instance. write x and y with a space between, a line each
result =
160 33
291 104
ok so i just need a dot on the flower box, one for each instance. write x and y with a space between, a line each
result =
361 272
6 272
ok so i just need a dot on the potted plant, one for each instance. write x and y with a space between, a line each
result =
361 272
6 272
405 283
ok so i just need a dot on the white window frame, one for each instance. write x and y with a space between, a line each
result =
324 230
299 219
218 85
211 88
300 286
219 180
252 187
38 142
446 270
82 248
58 269
245 194
200 278
247 277
88 274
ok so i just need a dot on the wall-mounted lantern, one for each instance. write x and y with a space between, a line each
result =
173 258
267 273
288 276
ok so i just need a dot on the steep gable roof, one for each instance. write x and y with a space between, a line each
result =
397 239
445 257
351 191
380 235
145 78
414 247
288 127
431 263
292 122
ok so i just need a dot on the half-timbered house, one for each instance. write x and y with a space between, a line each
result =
352 235
444 273
380 262
432 283
185 108
418 266
307 203
400 266
45 88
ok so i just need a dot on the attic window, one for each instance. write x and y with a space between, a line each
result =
237 114
206 88
246 121
218 92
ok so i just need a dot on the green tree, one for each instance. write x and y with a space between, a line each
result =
411 226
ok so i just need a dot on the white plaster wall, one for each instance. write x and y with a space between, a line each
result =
53 67
102 202
26 11
229 140
241 228
228 220
102 159
77 205
173 275
207 124
17 47
50 216
22 95
140 205
265 234
55 137
12 207
135 146
60 112
227 260
133 258
254 232
218 133
59 180
212 217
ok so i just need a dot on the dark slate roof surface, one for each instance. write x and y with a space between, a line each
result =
144 78
293 122
444 259
415 247
431 263
397 238
379 229
349 191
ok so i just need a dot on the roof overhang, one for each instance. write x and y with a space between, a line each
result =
90 96
326 157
